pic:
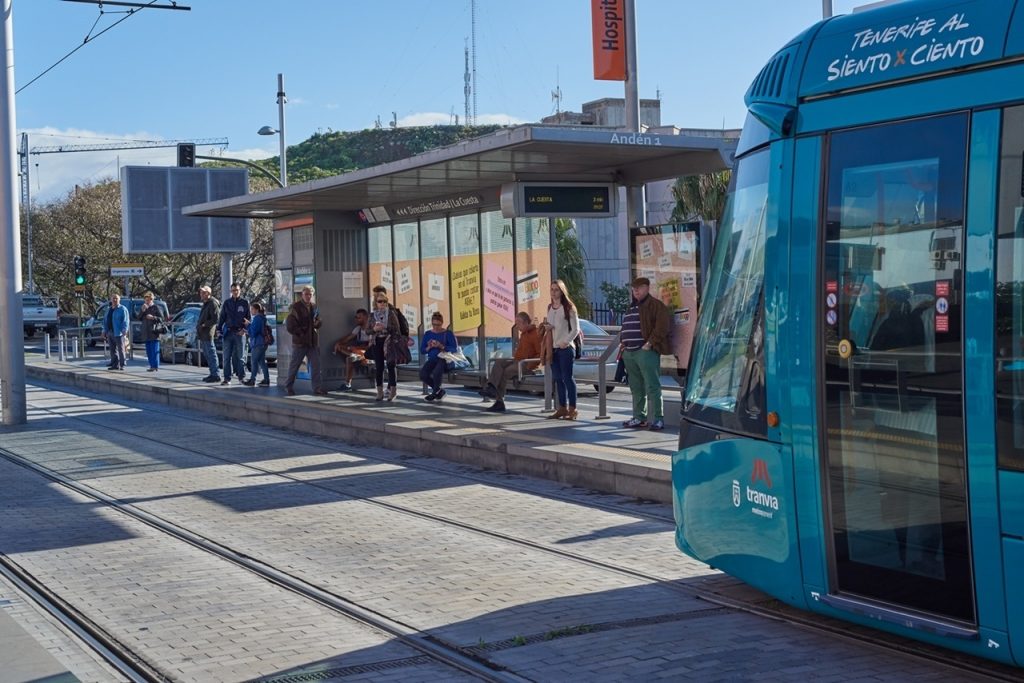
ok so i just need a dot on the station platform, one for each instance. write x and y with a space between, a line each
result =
588 452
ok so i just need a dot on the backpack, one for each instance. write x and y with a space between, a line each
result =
268 334
403 324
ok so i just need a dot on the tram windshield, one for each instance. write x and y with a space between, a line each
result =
725 386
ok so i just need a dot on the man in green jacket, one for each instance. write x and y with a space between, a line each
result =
645 337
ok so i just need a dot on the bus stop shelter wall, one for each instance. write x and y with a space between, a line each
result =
476 268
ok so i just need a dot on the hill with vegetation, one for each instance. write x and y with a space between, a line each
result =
335 152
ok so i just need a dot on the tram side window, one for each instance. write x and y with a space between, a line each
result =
726 378
1009 323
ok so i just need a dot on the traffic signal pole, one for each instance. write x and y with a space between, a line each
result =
12 351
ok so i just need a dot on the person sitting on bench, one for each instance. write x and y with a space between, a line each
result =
505 369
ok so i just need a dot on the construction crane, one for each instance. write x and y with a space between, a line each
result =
24 152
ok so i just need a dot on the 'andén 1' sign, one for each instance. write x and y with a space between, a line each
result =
609 33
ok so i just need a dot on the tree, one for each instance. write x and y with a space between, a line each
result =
87 222
572 263
616 296
700 197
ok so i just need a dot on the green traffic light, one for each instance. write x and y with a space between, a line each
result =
79 279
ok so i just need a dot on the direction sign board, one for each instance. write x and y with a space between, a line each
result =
559 199
127 270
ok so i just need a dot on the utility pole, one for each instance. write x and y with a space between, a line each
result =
636 213
12 352
826 9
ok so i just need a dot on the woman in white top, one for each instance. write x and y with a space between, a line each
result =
563 326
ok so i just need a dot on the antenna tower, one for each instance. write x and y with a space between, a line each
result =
467 88
472 33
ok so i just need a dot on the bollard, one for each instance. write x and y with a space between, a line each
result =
60 346
46 346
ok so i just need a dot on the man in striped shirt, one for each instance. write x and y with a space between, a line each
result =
644 338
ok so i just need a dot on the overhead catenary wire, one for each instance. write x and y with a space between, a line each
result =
88 38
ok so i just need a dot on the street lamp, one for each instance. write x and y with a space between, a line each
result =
267 130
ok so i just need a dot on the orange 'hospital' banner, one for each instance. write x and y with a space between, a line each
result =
609 33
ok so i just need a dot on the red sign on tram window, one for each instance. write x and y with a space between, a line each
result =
942 288
832 286
942 323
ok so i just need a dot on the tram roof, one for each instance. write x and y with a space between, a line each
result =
482 165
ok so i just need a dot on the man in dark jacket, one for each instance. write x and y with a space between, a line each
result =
645 331
232 324
303 324
205 323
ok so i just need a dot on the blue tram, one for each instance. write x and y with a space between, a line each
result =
853 424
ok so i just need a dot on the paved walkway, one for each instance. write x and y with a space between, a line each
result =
553 583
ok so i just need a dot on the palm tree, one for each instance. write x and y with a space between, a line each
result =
700 196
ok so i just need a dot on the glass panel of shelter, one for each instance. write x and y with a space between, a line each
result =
499 284
405 295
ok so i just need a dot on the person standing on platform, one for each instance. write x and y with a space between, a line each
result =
436 340
257 346
115 329
563 326
384 323
233 321
504 369
150 317
205 324
303 324
644 338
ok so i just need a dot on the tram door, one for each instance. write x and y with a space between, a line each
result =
891 296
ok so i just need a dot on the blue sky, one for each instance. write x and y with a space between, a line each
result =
212 71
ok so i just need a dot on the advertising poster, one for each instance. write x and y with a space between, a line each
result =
499 294
670 262
434 284
465 288
406 295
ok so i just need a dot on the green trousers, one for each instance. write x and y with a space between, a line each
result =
644 370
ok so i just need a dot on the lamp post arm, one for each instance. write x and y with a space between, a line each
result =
247 163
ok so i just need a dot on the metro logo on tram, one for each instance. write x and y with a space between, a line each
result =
761 473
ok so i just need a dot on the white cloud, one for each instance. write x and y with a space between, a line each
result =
54 174
431 118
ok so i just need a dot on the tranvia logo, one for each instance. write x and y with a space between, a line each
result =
762 503
761 473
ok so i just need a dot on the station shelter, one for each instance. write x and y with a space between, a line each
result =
431 228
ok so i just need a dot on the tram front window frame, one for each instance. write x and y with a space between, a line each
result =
725 388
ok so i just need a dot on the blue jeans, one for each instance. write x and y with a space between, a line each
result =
153 353
233 355
561 375
258 359
432 373
209 352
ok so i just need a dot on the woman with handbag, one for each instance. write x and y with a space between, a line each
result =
152 326
562 327
435 341
386 337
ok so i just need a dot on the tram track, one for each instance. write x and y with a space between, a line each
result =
767 609
83 631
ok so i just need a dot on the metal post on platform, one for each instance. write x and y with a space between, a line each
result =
46 346
12 352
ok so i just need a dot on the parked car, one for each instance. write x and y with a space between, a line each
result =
182 330
95 324
39 313
585 369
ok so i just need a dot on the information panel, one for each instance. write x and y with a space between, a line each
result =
559 200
